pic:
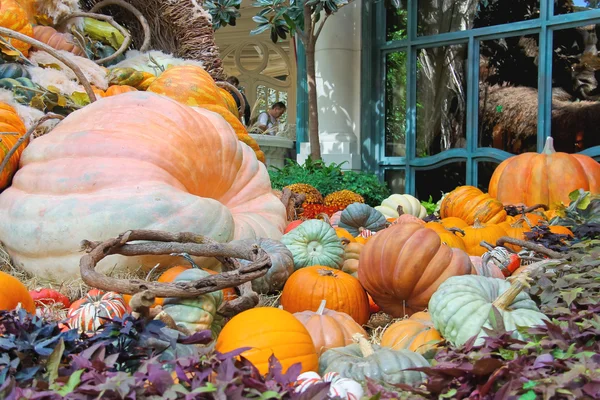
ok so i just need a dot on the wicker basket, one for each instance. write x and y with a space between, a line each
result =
178 27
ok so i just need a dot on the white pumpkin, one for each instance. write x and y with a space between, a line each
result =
342 388
410 205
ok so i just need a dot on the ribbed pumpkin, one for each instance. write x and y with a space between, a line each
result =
314 242
14 70
239 129
415 334
307 287
13 16
479 232
515 230
344 234
403 265
188 84
489 269
545 178
329 328
57 40
269 331
358 216
13 292
449 236
89 313
115 90
469 203
144 161
453 222
230 102
10 122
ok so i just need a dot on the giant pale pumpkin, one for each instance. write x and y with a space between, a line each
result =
403 265
10 122
546 178
133 161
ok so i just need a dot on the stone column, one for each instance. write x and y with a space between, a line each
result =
338 65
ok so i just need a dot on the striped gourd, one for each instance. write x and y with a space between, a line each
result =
90 313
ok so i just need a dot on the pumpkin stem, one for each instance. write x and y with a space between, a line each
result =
535 207
477 224
400 210
326 272
324 217
365 347
321 307
455 230
549 147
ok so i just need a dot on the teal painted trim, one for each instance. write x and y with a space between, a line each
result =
411 97
301 97
472 127
545 54
369 60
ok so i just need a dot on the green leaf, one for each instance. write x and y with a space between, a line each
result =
529 395
529 385
54 362
260 29
571 295
61 101
81 99
72 383
449 394
270 394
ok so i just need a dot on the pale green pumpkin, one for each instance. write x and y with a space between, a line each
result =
462 306
314 242
364 360
195 314
358 216
282 265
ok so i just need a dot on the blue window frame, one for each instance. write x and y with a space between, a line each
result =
376 48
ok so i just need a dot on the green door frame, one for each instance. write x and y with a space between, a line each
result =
375 49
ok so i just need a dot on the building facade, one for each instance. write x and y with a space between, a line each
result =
436 93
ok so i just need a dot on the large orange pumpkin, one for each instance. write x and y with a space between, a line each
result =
13 292
307 287
415 334
267 331
545 178
328 328
402 266
469 203
133 161
188 84
10 122
57 40
13 16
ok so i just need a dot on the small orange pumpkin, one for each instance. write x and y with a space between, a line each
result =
453 222
13 292
328 328
269 331
469 203
118 89
10 122
449 236
479 232
415 334
306 287
516 230
342 233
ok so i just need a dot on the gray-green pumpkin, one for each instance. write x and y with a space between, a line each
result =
359 360
358 216
282 265
195 314
462 306
13 71
314 242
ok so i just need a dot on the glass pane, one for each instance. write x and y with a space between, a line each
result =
395 20
395 105
485 169
575 91
442 16
395 180
434 182
441 105
567 7
508 95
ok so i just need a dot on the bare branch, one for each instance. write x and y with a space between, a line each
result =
129 7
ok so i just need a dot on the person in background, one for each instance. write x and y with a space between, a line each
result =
270 118
235 82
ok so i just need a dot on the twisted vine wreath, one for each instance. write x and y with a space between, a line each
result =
152 242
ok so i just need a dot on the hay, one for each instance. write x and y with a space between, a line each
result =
179 27
269 300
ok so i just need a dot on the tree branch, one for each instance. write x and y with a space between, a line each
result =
320 28
110 20
26 136
129 7
54 53
164 243
530 246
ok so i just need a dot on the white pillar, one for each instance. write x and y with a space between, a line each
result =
338 62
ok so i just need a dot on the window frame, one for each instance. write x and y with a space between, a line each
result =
375 49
